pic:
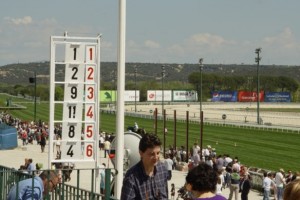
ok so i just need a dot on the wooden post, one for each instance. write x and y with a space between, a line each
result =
187 136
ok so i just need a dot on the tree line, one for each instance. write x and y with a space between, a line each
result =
210 83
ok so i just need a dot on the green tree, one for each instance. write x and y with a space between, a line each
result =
59 93
287 84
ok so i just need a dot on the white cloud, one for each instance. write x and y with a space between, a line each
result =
132 44
151 44
208 40
19 21
176 48
284 39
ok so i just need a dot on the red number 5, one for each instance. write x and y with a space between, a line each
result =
89 130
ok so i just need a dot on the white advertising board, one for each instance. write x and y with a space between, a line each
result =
130 94
156 95
184 95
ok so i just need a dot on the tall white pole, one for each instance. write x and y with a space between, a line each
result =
120 100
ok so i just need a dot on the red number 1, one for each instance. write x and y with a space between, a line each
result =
91 53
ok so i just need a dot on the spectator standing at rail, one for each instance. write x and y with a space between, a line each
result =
101 141
102 178
236 165
227 160
220 162
135 127
245 186
196 159
24 136
31 167
43 142
196 149
234 184
107 146
206 152
267 185
220 182
280 182
288 177
169 164
57 146
182 154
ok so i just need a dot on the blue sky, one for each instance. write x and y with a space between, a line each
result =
157 31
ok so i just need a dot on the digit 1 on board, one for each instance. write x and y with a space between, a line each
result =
75 50
91 53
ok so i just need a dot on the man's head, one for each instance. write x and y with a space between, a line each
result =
149 148
50 180
202 178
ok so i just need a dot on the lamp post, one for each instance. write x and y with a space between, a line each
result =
201 113
33 80
112 76
135 71
115 87
162 86
257 59
200 69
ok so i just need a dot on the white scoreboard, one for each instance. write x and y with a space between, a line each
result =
75 63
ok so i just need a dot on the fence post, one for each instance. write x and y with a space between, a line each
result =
107 183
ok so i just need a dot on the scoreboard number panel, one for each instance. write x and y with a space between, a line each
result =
74 73
89 131
71 131
73 92
75 53
71 150
90 56
89 93
72 112
80 104
89 111
90 74
88 151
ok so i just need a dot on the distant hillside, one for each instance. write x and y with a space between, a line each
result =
20 73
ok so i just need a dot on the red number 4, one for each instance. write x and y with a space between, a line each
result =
90 112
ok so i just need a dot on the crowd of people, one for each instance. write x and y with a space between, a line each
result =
28 132
231 173
280 183
208 173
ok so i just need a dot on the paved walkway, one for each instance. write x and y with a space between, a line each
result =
14 158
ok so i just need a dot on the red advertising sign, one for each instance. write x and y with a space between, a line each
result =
246 96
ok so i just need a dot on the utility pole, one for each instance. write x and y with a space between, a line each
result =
257 59
135 71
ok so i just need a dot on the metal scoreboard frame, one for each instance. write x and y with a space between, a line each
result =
75 67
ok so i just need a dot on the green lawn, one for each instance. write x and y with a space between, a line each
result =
259 148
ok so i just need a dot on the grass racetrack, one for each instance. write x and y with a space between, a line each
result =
255 147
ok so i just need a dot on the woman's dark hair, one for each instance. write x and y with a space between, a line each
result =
203 178
149 140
